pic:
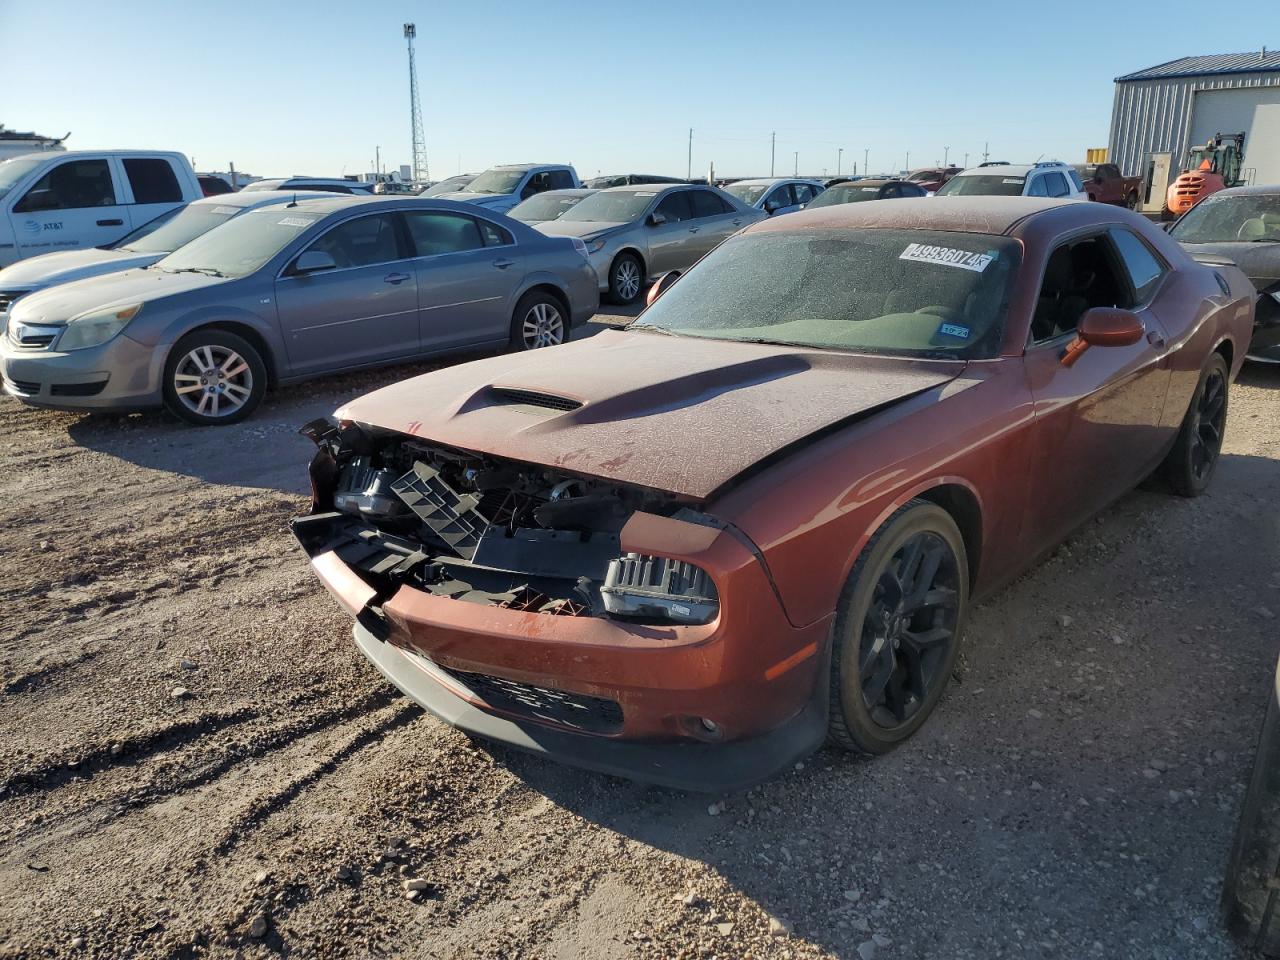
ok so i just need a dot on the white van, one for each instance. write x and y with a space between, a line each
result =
80 199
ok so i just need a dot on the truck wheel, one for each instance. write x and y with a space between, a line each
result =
213 378
1131 201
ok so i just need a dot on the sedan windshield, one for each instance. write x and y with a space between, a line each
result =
452 185
242 245
905 292
982 185
167 233
1242 217
495 181
748 193
844 193
545 206
612 206
11 171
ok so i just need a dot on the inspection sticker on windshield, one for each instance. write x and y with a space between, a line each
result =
1014 180
957 330
295 222
646 193
226 211
946 256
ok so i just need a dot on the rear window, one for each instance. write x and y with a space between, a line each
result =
152 180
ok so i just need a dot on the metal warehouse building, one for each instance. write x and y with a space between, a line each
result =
1161 111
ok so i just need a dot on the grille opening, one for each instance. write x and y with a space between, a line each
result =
577 710
26 387
534 398
77 389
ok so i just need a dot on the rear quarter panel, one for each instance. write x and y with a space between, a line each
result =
812 514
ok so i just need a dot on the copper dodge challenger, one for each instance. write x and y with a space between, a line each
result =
689 551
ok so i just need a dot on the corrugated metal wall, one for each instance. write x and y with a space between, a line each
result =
1154 116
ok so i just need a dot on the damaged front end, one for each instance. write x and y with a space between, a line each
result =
399 511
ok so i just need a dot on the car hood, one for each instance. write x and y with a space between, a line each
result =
1260 262
71 265
59 304
480 198
583 229
654 409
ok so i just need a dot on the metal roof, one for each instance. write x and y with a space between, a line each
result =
1255 61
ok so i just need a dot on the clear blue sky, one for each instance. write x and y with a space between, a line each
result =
283 88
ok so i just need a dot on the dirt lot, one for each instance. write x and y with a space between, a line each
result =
196 761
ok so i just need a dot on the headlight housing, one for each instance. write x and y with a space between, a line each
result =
595 246
96 327
638 585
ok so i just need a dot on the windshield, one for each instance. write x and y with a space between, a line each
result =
844 193
452 185
748 193
261 185
908 292
545 206
988 185
167 233
922 176
1228 219
11 171
612 206
242 245
495 181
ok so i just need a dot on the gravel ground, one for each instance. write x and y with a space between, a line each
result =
195 760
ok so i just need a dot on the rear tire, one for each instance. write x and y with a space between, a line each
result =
213 378
626 279
1190 464
897 630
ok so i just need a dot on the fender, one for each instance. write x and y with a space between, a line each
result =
162 343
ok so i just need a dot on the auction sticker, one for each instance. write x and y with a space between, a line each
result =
946 256
225 211
295 222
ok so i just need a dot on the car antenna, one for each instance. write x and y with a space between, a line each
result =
293 202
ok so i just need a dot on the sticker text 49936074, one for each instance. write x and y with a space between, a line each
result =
946 256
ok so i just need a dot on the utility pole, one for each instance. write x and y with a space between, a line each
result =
420 171
797 170
966 161
377 162
839 158
773 150
946 156
984 151
866 161
908 163
688 171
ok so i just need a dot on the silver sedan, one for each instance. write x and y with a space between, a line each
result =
635 234
283 293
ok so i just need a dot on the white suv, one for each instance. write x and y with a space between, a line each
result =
1049 178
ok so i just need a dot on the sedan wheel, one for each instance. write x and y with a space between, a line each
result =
213 377
898 628
538 322
626 278
1191 462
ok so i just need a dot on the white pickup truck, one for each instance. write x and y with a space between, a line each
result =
86 198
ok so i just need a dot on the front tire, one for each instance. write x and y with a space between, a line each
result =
214 378
539 321
897 629
1131 201
626 279
1190 464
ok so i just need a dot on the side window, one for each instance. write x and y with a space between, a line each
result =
1037 188
1144 269
675 206
152 180
560 180
781 197
361 242
436 233
706 204
891 191
71 186
802 192
538 183
911 190
494 235
1056 185
1078 276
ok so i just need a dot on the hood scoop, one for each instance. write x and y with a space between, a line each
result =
515 396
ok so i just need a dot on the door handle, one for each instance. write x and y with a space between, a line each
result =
503 263
395 278
111 223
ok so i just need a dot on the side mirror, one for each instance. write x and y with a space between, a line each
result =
1104 327
772 206
314 261
657 219
660 286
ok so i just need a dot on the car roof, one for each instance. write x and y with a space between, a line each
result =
759 180
650 187
527 166
868 182
1013 169
257 198
990 215
567 192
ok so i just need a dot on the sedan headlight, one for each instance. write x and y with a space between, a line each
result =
595 246
92 329
637 585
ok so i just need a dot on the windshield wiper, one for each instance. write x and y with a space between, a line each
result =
207 271
652 328
1265 240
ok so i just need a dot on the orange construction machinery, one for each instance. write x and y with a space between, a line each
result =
1210 167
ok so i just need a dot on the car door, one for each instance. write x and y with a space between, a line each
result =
714 220
672 242
468 269
1098 422
76 205
153 186
362 311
